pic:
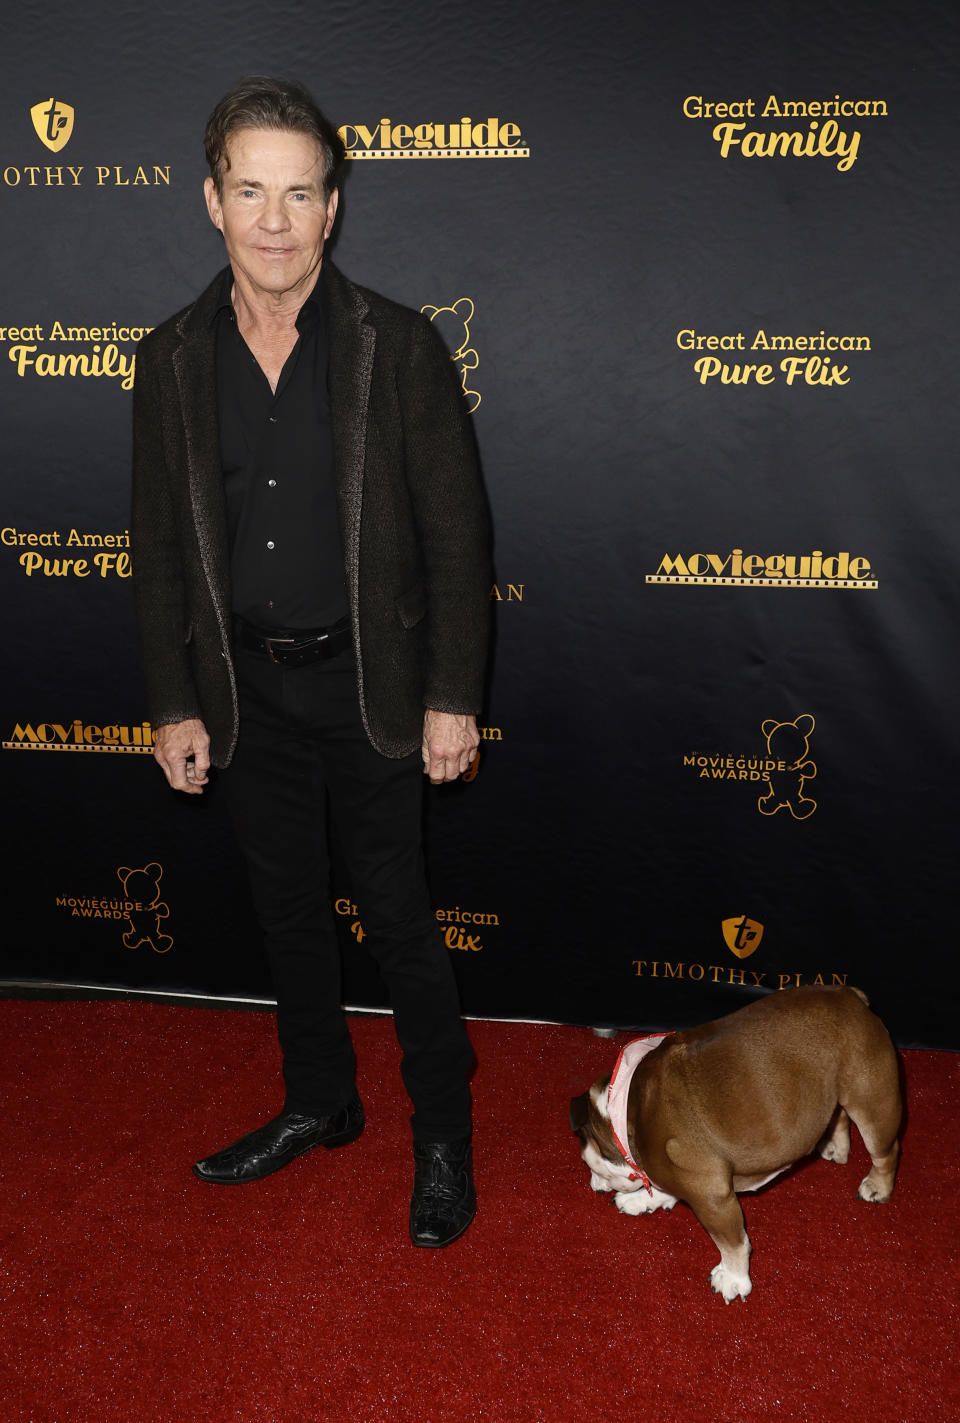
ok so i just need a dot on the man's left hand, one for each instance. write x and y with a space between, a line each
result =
450 743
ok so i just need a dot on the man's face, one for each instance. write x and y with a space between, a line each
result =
273 215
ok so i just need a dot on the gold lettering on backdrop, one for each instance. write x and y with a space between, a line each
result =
463 138
815 370
457 923
139 907
105 555
819 342
76 736
107 361
689 339
75 334
823 137
719 767
41 175
730 976
102 564
816 108
819 370
831 141
783 766
28 353
775 570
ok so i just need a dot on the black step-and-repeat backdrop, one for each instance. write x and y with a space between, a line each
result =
696 267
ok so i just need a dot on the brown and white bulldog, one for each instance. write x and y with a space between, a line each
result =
725 1107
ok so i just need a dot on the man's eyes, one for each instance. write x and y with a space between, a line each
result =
300 197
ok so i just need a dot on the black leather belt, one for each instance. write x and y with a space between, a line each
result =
292 648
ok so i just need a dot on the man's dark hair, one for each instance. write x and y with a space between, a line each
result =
279 104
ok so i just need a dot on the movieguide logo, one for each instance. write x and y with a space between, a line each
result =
79 736
756 570
463 138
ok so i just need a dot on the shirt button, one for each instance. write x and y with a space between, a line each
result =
272 419
272 483
269 543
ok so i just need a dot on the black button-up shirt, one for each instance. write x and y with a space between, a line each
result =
276 451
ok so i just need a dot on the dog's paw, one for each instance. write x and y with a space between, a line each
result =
643 1202
599 1183
871 1191
634 1202
836 1151
724 1281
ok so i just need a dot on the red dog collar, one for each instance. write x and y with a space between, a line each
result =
631 1055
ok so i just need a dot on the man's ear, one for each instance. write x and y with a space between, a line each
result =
333 202
213 203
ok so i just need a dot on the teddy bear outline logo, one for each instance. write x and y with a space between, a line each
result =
144 923
789 741
462 353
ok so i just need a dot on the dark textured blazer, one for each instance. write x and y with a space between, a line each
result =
413 521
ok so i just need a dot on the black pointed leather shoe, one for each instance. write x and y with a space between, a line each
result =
278 1142
444 1200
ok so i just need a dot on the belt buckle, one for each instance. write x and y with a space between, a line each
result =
270 652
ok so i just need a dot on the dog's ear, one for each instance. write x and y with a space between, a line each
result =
579 1111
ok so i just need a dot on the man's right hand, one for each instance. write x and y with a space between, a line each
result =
182 751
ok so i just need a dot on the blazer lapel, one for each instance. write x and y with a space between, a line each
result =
195 370
352 345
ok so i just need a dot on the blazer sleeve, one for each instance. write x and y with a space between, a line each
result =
452 520
158 577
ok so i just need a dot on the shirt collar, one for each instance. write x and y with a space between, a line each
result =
312 311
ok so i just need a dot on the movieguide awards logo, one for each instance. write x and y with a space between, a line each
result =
769 128
79 736
783 771
737 569
138 907
53 123
461 138
807 359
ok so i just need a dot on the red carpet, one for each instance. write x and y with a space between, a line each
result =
132 1293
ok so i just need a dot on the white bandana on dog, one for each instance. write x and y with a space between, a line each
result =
619 1090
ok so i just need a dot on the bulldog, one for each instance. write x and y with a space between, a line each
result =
699 1115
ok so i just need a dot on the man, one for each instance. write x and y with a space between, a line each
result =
312 570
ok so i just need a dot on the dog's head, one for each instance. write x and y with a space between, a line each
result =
590 1120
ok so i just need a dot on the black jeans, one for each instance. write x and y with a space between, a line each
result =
302 745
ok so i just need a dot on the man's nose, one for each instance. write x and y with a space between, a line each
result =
274 216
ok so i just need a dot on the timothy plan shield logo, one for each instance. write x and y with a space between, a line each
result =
742 936
53 122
